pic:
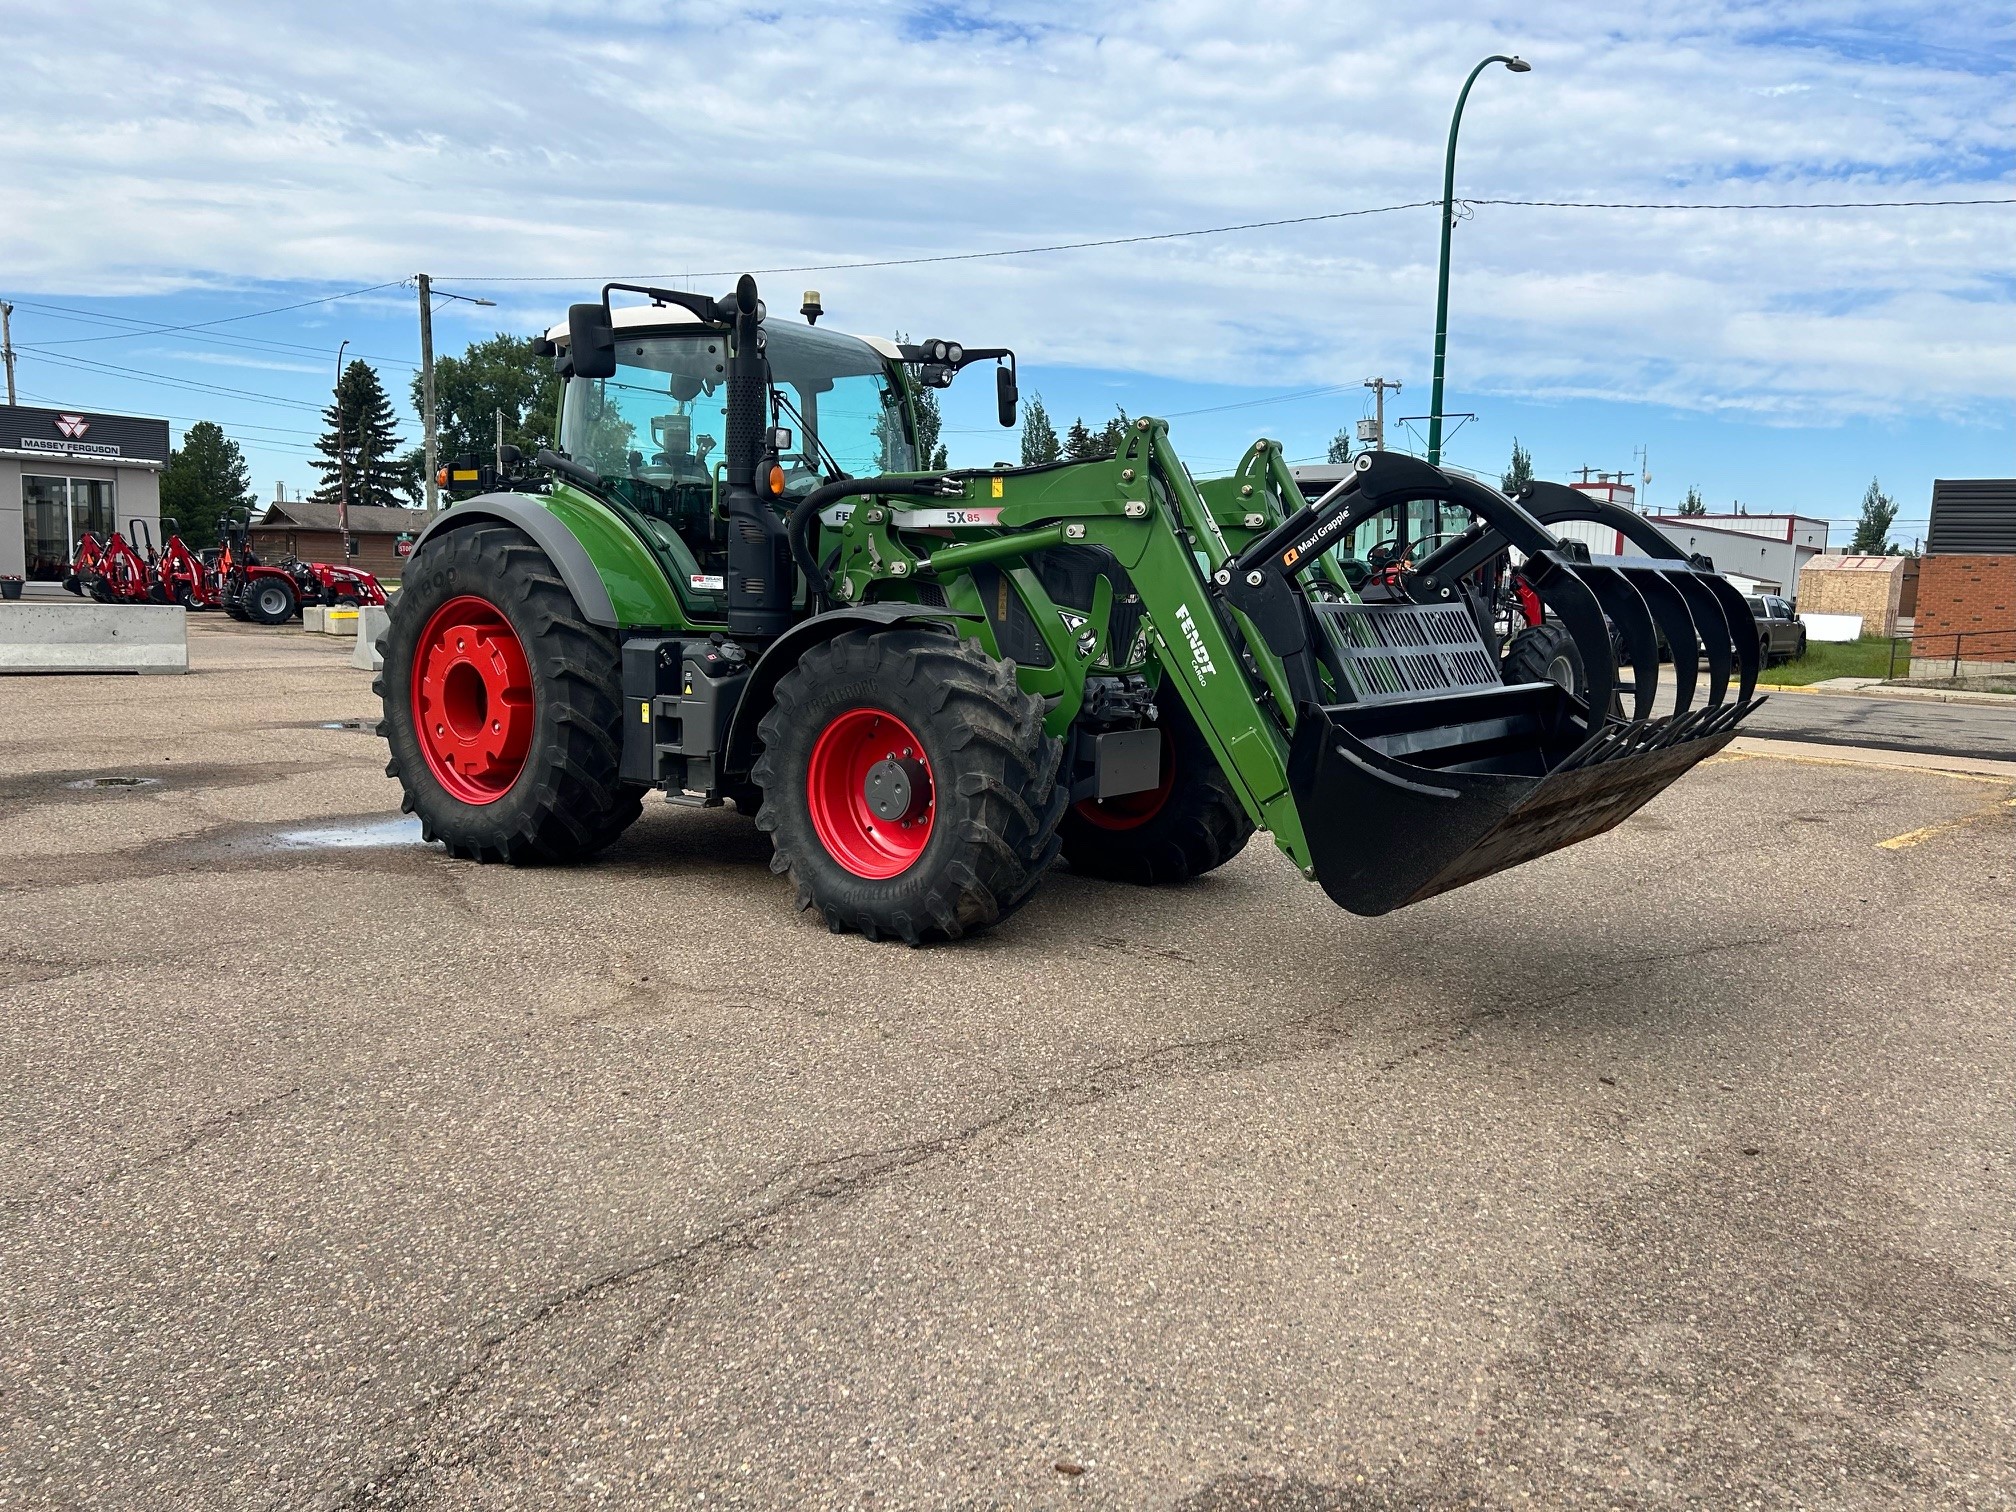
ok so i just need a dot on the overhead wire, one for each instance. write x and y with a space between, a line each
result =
1262 225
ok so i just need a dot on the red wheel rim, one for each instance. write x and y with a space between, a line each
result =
472 699
1132 810
850 754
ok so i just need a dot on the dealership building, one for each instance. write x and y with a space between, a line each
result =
66 472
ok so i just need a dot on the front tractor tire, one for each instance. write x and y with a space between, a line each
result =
503 705
1191 823
908 787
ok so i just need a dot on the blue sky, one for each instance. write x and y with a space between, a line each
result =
204 164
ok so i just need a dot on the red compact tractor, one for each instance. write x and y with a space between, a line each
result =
112 572
327 584
247 588
180 577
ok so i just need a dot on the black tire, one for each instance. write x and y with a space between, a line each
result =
270 601
1764 657
1799 650
993 791
1197 826
568 800
1546 652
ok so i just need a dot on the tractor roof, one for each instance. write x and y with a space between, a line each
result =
634 317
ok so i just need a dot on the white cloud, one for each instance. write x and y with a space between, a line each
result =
220 143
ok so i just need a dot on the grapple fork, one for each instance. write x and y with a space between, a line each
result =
1413 767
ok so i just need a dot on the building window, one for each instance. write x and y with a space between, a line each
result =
56 514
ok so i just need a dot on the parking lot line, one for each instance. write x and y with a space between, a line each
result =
1913 837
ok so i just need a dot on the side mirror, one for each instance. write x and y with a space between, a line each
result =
591 341
1005 393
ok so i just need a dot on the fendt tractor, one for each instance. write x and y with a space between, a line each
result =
733 583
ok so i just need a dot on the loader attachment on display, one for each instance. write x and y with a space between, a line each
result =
1413 767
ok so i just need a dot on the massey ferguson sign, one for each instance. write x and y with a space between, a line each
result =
72 433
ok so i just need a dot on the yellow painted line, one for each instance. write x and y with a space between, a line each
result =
1913 837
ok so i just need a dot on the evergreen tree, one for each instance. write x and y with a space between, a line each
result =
204 477
1872 531
360 448
1340 448
1113 433
1692 504
1519 474
500 373
1079 443
1039 436
930 424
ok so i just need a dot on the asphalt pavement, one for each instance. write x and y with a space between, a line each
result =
1670 1170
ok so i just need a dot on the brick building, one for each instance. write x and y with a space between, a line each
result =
1878 588
1967 584
309 531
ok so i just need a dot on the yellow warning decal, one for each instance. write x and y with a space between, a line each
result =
997 487
644 711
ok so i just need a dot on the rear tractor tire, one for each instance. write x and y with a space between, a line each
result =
908 787
1192 823
503 705
268 601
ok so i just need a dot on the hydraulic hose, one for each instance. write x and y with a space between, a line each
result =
808 509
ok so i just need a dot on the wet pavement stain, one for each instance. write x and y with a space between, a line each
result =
369 833
95 784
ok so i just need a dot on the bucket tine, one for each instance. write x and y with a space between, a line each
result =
1742 628
1669 610
1713 628
1626 608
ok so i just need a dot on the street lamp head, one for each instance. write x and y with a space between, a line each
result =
1518 65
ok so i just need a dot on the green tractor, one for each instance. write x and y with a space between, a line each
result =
735 583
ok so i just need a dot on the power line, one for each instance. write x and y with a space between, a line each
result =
150 328
1774 205
199 325
945 257
90 365
1293 220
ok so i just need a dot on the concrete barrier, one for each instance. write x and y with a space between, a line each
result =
339 622
311 618
93 638
371 622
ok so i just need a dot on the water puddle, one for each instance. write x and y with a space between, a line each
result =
354 834
96 784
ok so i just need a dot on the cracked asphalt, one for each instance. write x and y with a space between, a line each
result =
1672 1170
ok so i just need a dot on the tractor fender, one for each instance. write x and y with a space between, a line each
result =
739 751
568 556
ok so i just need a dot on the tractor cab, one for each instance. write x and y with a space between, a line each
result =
653 432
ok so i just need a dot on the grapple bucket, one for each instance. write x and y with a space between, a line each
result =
1405 800
1413 766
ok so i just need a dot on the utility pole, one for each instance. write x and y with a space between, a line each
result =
1379 387
428 420
7 346
432 446
342 459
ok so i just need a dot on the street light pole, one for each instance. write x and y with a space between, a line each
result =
1515 65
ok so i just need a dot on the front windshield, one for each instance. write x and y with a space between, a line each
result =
654 430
